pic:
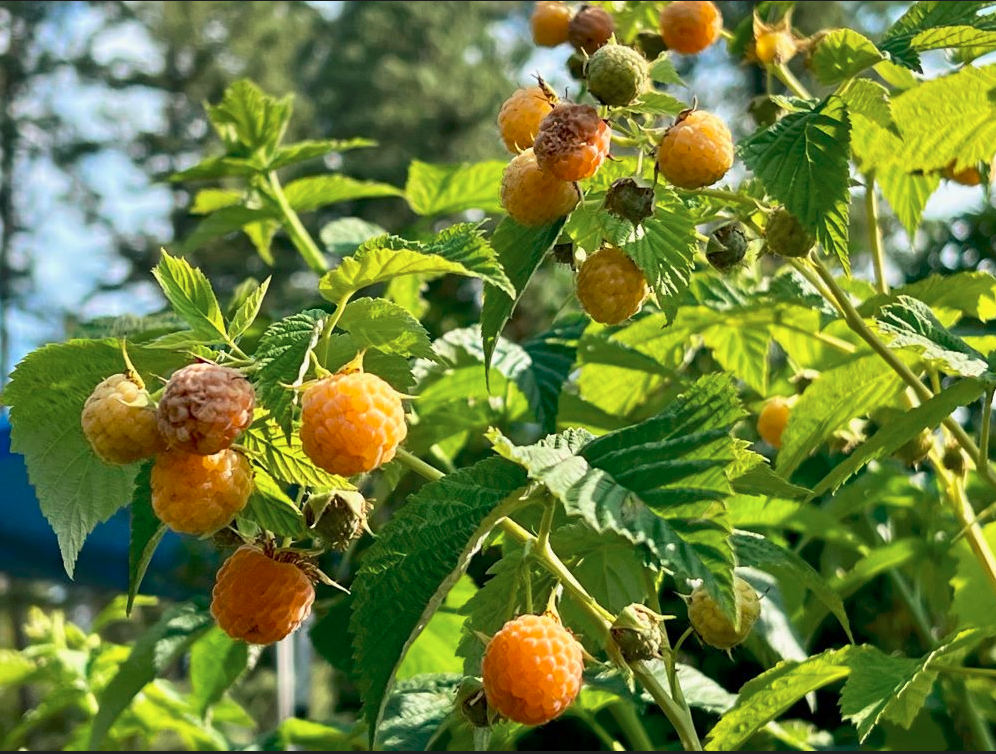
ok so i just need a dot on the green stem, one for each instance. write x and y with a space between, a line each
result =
419 466
973 672
546 525
987 416
679 715
632 726
726 195
841 345
788 78
962 510
982 732
598 729
299 235
875 234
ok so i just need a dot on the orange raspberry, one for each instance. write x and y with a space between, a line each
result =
351 422
549 23
260 599
521 114
532 669
689 26
204 408
119 421
696 151
573 142
610 286
772 420
196 494
590 28
532 197
711 623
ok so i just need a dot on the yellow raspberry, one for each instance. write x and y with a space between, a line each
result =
610 286
532 197
696 151
549 23
532 669
260 599
573 142
689 26
712 625
196 494
119 421
351 422
772 420
204 408
774 47
520 116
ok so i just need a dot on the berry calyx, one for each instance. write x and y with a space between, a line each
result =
617 75
610 287
628 199
198 494
689 26
533 197
532 669
204 408
521 114
260 598
119 421
351 422
727 246
772 420
696 151
549 23
590 28
572 142
711 623
784 235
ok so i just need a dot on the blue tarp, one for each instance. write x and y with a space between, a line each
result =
29 549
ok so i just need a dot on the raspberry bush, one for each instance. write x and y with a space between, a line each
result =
735 429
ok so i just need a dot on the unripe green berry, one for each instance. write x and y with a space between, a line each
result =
727 246
785 236
617 75
627 199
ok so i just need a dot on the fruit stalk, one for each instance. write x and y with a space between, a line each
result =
299 236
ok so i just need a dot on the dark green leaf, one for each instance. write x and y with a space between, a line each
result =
309 150
222 222
414 710
271 509
898 41
146 531
217 167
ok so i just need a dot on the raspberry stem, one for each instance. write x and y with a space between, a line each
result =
875 234
788 78
299 235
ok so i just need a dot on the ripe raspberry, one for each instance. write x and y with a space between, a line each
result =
549 23
727 246
196 494
689 27
572 142
784 235
204 408
351 422
628 199
696 151
617 75
610 286
590 28
532 669
772 420
532 197
712 625
342 517
775 47
258 598
520 116
970 176
119 421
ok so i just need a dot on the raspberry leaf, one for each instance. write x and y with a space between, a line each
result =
306 194
146 532
803 161
216 661
46 394
972 294
900 38
767 696
969 581
345 235
434 190
754 550
248 117
520 251
223 221
155 650
415 710
302 151
271 509
284 458
835 397
248 310
843 53
417 558
190 293
380 324
896 433
884 687
460 249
